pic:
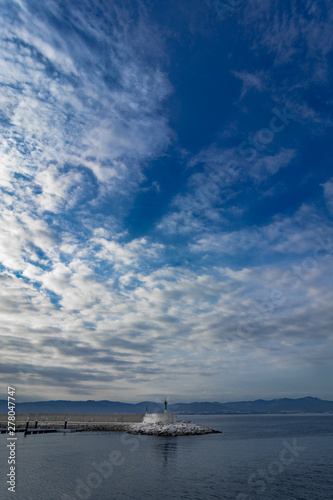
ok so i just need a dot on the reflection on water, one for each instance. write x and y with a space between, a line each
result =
167 449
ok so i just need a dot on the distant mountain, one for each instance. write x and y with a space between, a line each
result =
83 407
285 405
201 408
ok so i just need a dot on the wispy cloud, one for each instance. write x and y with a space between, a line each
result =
81 114
85 111
284 235
328 193
250 81
213 194
70 119
297 36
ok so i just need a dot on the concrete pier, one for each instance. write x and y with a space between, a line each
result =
160 418
80 421
85 421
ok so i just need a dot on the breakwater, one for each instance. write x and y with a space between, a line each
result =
160 424
80 421
173 429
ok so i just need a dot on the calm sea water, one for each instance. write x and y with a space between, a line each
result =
257 457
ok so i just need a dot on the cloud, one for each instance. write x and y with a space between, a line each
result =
213 193
250 81
73 121
297 36
146 331
82 112
289 29
83 302
64 190
128 254
22 238
289 236
270 164
328 193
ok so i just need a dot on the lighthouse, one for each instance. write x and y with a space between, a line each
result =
160 418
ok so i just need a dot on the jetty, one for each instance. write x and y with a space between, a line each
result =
4 430
72 421
162 424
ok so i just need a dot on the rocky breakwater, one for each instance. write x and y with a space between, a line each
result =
175 429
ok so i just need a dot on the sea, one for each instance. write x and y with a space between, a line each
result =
267 457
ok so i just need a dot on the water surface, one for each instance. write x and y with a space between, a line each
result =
263 456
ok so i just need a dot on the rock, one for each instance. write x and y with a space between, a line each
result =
176 429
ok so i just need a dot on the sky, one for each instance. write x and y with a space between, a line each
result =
166 199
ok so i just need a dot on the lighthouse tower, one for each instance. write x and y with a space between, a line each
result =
160 418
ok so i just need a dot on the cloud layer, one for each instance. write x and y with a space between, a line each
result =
231 281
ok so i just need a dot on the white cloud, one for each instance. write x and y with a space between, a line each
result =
270 164
83 304
282 30
129 254
328 193
295 35
297 234
20 236
189 319
66 115
250 81
211 194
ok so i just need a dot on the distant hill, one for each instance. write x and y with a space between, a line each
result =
83 407
201 408
285 405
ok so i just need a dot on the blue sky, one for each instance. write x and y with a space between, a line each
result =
166 199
